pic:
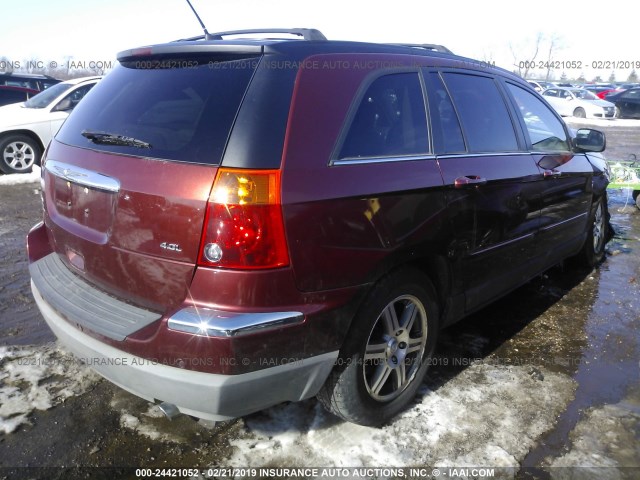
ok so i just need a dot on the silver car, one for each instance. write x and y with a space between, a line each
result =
578 102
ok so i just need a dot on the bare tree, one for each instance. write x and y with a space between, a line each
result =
33 65
555 44
524 63
6 65
523 66
633 77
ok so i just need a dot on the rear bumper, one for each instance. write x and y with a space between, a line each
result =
204 395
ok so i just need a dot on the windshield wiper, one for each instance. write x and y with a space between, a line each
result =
105 138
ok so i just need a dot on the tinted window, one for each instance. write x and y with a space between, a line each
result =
483 113
631 94
545 130
78 94
390 119
183 113
11 96
43 99
447 134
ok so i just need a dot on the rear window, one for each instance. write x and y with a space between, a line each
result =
183 109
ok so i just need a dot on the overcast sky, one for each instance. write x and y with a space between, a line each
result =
588 31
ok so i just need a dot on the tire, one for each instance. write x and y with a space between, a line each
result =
618 113
598 235
382 362
18 154
636 197
579 113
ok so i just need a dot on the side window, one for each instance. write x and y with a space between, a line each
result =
483 113
545 130
550 93
10 96
70 101
390 120
447 134
631 94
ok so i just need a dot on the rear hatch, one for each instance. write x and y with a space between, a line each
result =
128 177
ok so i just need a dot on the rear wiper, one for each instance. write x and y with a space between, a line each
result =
113 139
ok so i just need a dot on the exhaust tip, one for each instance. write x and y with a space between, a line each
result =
169 409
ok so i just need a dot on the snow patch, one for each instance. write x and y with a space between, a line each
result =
143 428
604 439
38 378
18 178
486 415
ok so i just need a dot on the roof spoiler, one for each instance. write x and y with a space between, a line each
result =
308 34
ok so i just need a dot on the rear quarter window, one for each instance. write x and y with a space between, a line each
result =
185 113
390 120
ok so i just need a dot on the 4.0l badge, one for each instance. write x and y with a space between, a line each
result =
174 247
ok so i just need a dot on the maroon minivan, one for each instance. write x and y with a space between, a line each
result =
230 224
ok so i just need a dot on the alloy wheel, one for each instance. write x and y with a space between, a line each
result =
19 155
395 348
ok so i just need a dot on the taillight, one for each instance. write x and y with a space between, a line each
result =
243 224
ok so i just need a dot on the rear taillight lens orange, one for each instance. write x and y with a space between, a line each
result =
243 224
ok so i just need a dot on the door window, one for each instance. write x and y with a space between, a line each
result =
485 119
545 130
447 134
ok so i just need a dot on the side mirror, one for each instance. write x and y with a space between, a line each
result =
64 105
588 140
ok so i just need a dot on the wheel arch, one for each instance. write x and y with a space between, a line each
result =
23 131
438 271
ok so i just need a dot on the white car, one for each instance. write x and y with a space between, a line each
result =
578 102
540 86
26 128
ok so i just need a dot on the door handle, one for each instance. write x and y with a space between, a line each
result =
552 173
467 180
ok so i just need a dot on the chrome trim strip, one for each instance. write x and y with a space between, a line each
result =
359 161
502 244
559 224
218 323
559 152
82 176
475 155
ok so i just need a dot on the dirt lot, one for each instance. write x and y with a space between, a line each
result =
542 384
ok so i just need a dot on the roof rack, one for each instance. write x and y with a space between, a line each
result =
306 33
29 75
425 46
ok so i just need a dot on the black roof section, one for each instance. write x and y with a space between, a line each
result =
309 41
277 40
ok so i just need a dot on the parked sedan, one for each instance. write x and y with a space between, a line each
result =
26 128
578 102
627 103
540 86
601 91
